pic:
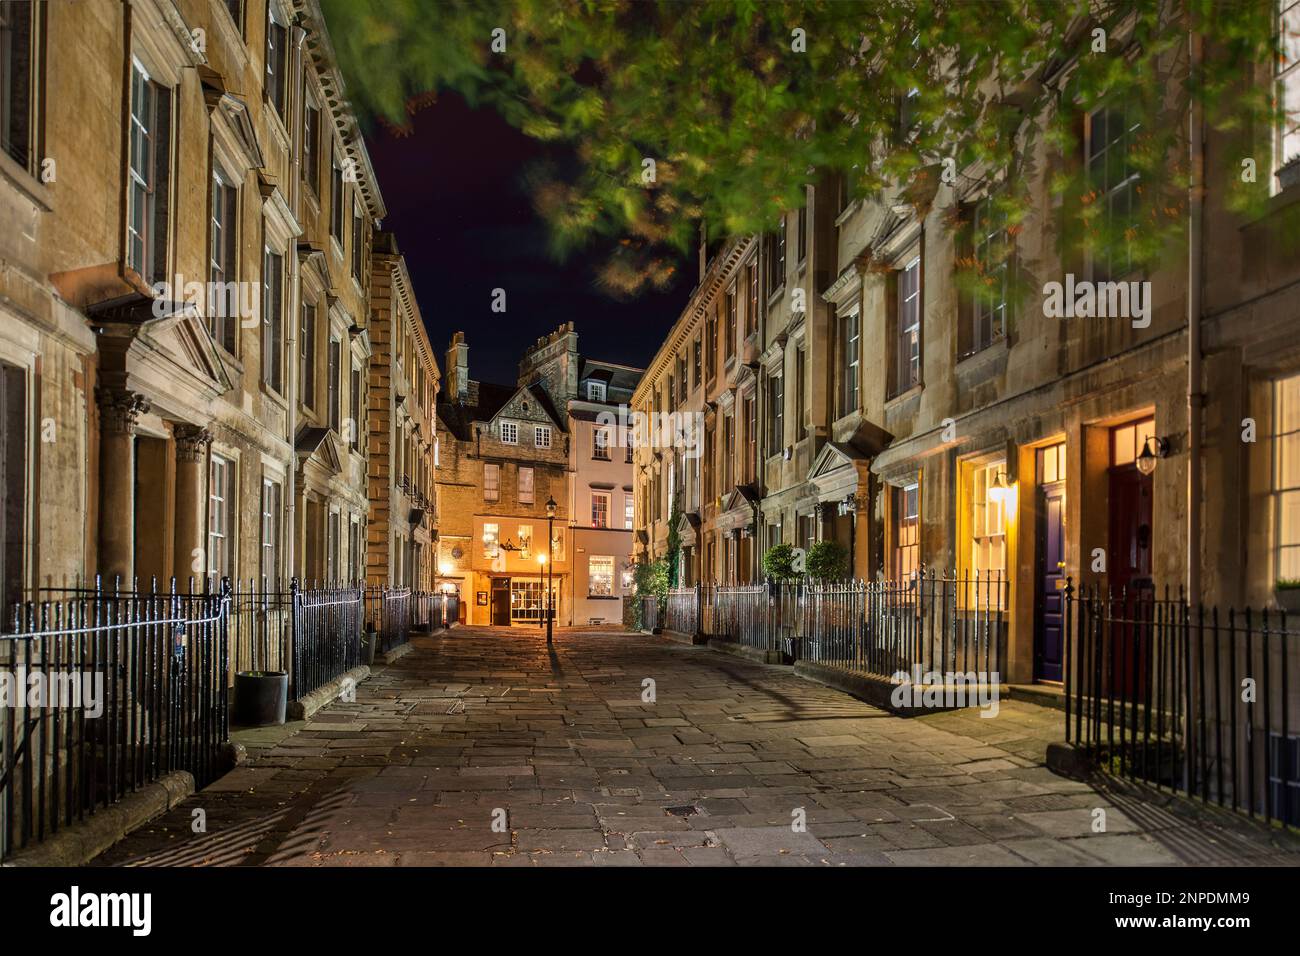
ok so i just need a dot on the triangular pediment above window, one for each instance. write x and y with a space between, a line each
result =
317 445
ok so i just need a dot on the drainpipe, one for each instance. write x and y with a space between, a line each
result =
1195 397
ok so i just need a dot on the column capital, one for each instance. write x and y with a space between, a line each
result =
192 442
119 409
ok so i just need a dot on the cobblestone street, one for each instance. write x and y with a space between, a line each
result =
484 724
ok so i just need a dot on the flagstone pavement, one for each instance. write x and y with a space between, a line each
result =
482 747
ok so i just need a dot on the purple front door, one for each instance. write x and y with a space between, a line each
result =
1049 611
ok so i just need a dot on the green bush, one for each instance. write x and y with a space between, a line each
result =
778 563
649 578
828 561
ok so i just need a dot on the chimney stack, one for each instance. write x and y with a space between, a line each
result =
457 366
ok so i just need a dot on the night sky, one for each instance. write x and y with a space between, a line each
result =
457 203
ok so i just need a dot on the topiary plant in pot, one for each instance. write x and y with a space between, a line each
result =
828 561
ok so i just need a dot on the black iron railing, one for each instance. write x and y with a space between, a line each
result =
937 623
650 616
932 622
434 610
388 614
118 688
326 628
682 610
1185 696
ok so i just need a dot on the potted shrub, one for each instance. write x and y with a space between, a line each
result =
1286 592
828 561
778 567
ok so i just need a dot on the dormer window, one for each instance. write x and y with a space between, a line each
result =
595 391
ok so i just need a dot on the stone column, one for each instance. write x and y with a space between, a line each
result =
191 499
119 411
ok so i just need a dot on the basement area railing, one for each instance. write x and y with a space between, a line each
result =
107 691
1202 700
935 622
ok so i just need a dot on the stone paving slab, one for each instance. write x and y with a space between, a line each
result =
481 748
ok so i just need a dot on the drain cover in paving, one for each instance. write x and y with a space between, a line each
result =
681 811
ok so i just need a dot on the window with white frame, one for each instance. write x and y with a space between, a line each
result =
510 433
600 575
907 348
849 361
906 514
525 541
273 320
272 497
600 509
1288 83
333 545
221 515
491 481
149 171
1286 477
525 486
542 436
600 444
988 518
491 540
595 391
629 510
223 302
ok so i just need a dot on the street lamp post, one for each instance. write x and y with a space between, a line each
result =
550 565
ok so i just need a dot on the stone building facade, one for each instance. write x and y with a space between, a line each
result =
918 426
184 295
502 454
558 434
403 391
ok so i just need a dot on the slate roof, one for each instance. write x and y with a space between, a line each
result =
483 401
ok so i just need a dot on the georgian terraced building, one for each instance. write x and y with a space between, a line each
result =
917 426
184 294
402 446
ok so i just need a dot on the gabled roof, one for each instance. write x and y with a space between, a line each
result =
484 403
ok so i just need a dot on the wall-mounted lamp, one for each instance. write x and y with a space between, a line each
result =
1001 490
1146 461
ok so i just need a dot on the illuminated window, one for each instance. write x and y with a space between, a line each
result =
988 519
1286 476
600 575
599 509
907 529
1126 441
491 540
